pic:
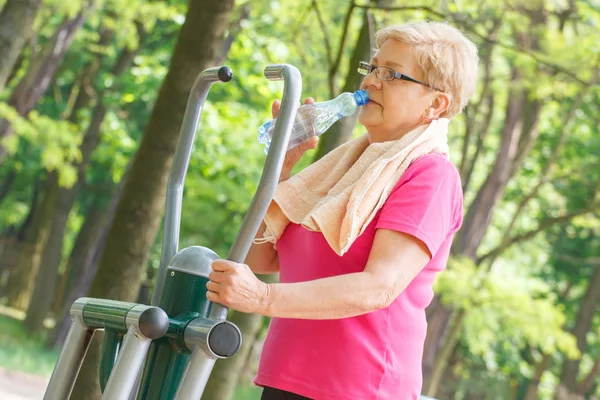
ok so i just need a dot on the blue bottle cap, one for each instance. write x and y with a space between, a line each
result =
361 97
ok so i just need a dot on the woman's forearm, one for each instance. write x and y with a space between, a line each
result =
328 298
262 258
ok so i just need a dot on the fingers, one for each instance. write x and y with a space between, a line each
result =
309 100
221 265
213 296
309 144
212 291
275 108
217 277
213 286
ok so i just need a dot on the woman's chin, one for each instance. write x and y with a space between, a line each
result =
369 120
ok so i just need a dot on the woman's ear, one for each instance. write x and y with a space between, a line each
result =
439 105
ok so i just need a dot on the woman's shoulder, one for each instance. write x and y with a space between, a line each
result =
433 160
433 167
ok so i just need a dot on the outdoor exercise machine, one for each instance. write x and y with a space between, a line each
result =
167 350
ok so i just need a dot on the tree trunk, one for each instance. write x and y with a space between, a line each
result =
534 385
226 374
9 258
86 88
8 181
441 363
40 72
16 25
341 131
9 246
84 262
139 212
83 244
481 210
518 136
484 106
235 27
583 323
480 213
21 281
35 205
18 64
47 278
438 316
588 383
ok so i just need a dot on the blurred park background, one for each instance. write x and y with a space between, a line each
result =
92 94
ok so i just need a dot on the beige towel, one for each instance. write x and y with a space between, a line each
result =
340 194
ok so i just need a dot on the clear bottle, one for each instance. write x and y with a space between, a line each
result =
314 119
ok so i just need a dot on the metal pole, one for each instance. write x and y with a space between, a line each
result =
72 355
195 376
181 161
292 91
144 324
209 341
124 374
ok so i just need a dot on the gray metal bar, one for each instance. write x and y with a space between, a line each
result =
292 91
71 357
181 161
195 376
200 335
144 323
129 363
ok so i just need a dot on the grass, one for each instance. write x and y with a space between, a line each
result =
22 352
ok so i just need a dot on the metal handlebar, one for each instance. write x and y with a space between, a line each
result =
292 91
181 160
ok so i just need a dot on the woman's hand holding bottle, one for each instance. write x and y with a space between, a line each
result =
295 154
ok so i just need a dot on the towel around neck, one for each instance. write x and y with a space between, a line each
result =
340 194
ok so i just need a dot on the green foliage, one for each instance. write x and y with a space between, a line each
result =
59 141
505 310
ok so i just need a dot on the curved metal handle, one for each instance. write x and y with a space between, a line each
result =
292 91
181 161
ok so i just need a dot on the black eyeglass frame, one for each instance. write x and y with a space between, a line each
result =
365 68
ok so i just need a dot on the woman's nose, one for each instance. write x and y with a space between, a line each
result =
372 81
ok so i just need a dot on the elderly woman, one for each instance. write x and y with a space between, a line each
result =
361 234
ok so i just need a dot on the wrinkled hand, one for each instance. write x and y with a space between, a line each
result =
294 155
235 286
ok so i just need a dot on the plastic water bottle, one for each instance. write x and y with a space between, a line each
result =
314 119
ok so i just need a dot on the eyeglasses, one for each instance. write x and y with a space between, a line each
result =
388 74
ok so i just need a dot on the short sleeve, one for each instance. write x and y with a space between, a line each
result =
426 202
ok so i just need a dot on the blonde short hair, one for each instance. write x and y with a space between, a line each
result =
448 59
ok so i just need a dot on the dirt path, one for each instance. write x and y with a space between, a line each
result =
20 386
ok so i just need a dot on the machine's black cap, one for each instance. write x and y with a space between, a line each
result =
153 323
225 74
224 340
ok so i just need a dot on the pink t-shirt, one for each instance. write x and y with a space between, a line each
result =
376 355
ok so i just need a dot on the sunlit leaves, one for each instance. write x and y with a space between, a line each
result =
59 141
505 307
